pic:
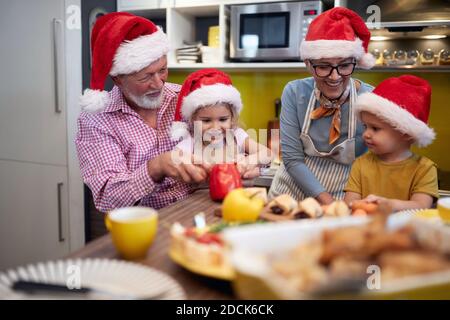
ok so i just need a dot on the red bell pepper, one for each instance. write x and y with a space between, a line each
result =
222 179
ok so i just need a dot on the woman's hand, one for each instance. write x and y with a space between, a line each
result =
324 198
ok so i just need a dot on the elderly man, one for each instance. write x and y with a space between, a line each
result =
123 141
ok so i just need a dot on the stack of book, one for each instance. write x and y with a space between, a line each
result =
210 54
189 53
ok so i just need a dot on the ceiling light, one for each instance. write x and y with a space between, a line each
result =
378 38
435 36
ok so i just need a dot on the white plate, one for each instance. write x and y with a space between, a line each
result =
115 276
252 245
400 218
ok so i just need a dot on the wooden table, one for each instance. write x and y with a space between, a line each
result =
196 287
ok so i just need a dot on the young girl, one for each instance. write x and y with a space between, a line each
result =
209 106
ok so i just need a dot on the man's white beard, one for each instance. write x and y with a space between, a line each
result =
147 102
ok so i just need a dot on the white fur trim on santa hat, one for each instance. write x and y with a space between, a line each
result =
94 100
133 56
319 49
179 130
210 95
367 61
396 116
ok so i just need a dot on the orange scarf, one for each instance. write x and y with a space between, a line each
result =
328 108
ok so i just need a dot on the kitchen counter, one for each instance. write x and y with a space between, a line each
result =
195 286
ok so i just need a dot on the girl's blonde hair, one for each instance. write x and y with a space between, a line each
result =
234 115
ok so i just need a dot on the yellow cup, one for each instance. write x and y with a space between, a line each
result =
443 206
133 230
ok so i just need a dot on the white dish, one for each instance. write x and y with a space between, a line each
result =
120 278
252 245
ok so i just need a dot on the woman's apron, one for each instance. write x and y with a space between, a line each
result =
330 168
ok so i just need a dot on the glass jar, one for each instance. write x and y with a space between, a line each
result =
427 57
387 57
412 57
400 57
444 57
378 56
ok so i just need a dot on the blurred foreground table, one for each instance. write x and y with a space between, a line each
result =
195 286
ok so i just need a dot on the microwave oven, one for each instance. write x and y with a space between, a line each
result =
270 31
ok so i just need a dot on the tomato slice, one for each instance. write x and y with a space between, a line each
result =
208 238
190 233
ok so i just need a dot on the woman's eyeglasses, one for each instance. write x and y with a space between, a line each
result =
343 69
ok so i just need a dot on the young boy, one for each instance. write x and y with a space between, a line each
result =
395 116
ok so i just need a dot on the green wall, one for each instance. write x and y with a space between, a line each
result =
259 89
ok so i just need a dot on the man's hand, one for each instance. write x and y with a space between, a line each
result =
173 164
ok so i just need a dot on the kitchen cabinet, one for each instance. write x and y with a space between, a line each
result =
32 122
181 21
124 5
408 38
34 212
41 193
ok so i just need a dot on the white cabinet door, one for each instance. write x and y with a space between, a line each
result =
32 121
33 213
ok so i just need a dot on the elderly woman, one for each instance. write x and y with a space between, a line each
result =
320 134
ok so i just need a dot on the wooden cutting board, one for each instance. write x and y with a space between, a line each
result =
264 215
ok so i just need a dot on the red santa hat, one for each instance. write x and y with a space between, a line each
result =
404 103
338 33
203 88
121 43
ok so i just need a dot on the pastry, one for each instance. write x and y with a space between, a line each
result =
308 209
337 209
282 205
198 246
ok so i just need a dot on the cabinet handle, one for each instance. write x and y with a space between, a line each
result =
57 59
60 226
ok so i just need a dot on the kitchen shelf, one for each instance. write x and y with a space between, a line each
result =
407 24
412 30
187 20
403 68
240 65
288 66
128 5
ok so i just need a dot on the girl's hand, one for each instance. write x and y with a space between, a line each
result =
252 173
246 168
